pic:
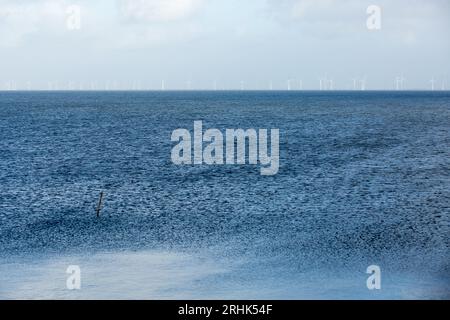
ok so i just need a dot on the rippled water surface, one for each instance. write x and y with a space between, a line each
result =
364 179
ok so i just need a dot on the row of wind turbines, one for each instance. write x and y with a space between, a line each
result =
399 84
358 84
325 83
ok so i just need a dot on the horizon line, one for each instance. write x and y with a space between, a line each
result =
220 90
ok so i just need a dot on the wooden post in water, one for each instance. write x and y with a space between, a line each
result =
99 206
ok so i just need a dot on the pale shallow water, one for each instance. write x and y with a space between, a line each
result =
364 179
180 275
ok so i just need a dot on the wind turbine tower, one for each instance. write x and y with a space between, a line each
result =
323 83
363 83
399 81
331 85
355 81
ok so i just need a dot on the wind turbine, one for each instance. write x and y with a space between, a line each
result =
242 85
399 82
355 81
326 83
289 85
323 82
330 83
270 85
11 86
136 85
432 81
363 83
163 85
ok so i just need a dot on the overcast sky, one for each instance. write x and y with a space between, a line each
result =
200 44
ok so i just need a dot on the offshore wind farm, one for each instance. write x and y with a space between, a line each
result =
361 83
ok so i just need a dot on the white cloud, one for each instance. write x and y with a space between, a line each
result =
147 22
151 36
157 10
155 22
402 19
313 10
19 19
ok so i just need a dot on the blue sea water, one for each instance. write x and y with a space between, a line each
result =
364 179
